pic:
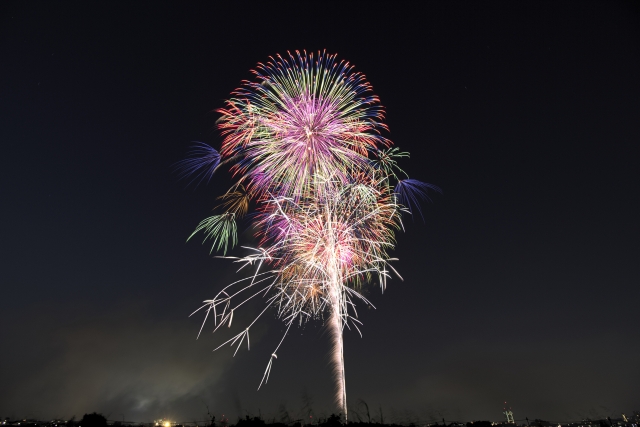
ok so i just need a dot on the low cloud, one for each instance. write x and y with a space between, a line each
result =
125 362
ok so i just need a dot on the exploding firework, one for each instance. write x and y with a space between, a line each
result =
303 143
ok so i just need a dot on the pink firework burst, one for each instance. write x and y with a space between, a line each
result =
303 143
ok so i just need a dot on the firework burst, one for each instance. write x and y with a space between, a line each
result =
303 144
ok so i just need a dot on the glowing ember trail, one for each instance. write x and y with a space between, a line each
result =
303 143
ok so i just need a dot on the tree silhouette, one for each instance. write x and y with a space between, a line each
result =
93 420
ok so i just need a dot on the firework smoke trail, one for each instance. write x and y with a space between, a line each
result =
337 309
337 356
303 144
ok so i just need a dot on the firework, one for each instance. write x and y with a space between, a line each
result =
303 143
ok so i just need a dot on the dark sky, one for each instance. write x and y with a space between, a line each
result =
521 285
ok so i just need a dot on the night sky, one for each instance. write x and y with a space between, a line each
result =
520 285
